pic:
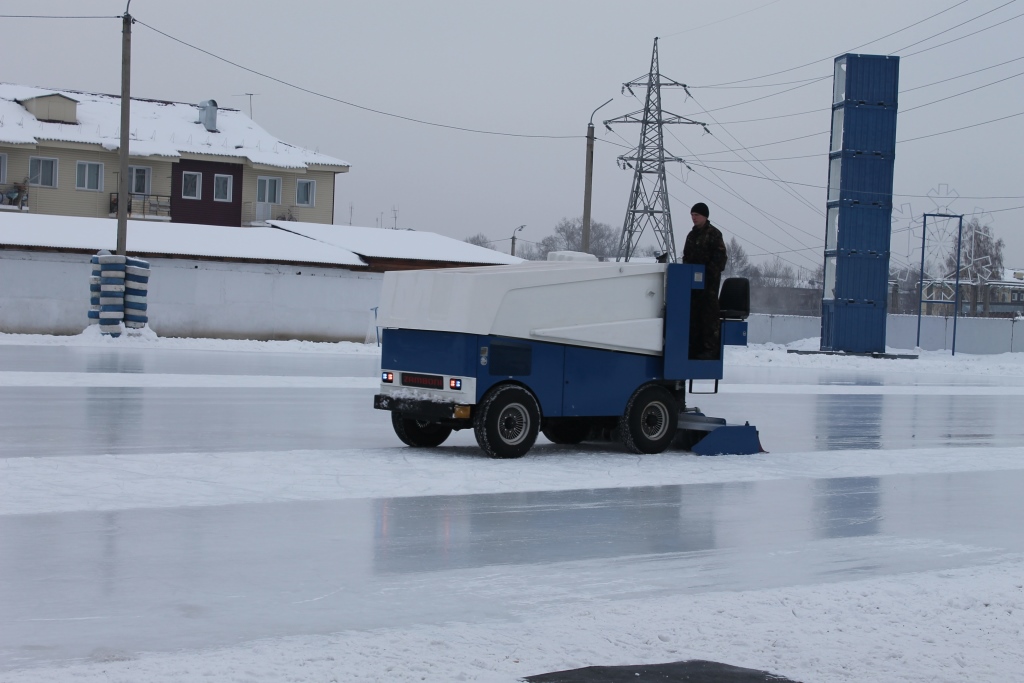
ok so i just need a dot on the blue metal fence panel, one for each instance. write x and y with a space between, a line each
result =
862 279
868 128
859 327
863 179
872 79
863 228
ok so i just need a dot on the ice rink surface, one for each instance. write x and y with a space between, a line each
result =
255 497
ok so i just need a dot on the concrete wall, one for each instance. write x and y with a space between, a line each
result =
48 293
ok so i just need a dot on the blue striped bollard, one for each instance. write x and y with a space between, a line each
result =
111 299
136 292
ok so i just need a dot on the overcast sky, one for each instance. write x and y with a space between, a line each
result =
540 68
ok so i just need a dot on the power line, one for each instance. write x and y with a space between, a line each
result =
353 104
954 130
964 36
727 18
951 28
825 109
888 35
969 73
741 87
56 16
734 193
823 187
803 200
949 97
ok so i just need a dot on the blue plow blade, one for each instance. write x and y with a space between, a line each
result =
729 440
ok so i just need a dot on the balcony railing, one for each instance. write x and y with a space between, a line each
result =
144 205
15 196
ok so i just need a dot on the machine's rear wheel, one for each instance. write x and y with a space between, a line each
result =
507 421
650 420
419 433
567 431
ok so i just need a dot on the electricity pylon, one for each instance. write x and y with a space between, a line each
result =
648 201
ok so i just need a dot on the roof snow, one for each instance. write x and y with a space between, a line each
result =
167 129
332 245
380 243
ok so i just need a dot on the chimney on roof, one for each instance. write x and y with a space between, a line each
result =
208 115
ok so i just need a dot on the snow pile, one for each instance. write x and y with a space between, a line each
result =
945 626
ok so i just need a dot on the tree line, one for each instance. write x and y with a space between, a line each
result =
981 257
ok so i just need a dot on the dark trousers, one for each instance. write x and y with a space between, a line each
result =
705 324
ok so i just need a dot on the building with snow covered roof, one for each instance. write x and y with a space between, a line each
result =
188 163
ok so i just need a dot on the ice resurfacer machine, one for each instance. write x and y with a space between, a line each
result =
577 351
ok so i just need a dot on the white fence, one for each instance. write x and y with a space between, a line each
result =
48 293
973 335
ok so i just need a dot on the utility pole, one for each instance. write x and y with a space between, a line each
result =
394 211
585 246
123 181
648 200
514 238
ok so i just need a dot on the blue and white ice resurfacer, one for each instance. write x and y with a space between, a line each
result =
577 351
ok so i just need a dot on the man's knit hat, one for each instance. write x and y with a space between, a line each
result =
701 208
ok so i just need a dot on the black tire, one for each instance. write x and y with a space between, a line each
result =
419 433
650 421
507 422
568 431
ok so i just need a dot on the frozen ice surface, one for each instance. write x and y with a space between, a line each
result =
235 519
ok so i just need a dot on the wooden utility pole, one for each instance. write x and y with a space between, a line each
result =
123 181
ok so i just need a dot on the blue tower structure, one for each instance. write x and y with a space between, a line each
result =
859 217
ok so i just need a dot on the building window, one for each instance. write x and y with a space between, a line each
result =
268 190
222 188
42 172
139 179
89 176
3 168
191 185
305 193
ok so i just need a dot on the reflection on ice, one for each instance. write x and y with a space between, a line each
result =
202 577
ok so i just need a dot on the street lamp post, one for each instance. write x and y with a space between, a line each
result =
585 246
514 238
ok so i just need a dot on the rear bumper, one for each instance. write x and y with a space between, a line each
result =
419 408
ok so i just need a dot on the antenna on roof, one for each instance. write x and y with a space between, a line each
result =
250 95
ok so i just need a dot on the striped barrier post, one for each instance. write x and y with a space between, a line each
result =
110 268
136 284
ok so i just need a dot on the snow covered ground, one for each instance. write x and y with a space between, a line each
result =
965 623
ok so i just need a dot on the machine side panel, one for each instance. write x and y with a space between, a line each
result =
442 353
680 281
599 382
536 365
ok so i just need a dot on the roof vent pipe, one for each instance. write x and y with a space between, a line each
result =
208 115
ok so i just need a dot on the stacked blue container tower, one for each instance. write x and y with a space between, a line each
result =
859 217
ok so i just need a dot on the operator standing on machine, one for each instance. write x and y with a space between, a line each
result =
705 246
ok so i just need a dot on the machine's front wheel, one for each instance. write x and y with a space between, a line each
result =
567 431
419 433
507 421
650 420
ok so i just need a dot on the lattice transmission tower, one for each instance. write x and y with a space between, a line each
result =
648 200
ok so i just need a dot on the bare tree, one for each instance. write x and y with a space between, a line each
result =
981 254
568 236
479 240
776 273
738 264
